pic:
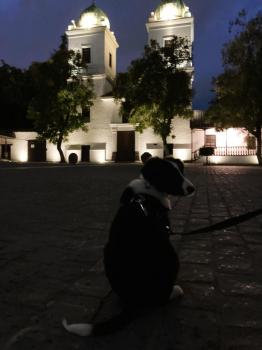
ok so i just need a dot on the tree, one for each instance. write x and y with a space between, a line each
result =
238 90
156 88
15 96
62 96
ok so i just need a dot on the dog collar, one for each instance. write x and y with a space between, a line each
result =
141 186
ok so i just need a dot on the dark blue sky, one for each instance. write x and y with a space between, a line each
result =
30 30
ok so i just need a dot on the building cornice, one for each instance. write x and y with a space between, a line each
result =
83 32
178 22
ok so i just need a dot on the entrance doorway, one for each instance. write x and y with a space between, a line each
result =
6 151
36 151
85 153
125 146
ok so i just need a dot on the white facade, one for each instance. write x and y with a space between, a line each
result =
167 21
231 146
108 138
106 123
103 45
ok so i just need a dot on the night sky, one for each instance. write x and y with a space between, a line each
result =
30 30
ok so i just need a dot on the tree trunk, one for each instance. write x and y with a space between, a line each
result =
59 148
259 145
166 150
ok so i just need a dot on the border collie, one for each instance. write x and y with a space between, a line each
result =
139 259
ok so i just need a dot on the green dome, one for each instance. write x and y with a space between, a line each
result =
171 9
93 17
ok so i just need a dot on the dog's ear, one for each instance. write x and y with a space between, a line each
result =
160 174
176 161
166 177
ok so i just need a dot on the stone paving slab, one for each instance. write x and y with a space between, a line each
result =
54 224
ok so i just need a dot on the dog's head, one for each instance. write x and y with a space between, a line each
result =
166 176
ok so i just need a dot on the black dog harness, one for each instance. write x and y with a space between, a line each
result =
140 201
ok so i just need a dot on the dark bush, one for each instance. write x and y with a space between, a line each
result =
206 151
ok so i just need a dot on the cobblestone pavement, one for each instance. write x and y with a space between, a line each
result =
54 223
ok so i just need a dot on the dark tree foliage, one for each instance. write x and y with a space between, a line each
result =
60 96
238 99
157 87
15 95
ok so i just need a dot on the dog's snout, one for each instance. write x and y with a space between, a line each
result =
190 189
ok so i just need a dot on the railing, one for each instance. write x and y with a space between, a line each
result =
234 151
228 151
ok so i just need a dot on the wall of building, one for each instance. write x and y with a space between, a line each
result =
182 139
198 139
101 85
103 113
93 38
149 142
101 42
110 47
232 137
19 149
52 154
162 29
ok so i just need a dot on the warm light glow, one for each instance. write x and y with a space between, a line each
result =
22 156
52 154
231 137
169 11
233 160
183 154
90 20
187 12
235 137
98 156
156 152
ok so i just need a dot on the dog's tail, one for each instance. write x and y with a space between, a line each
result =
109 326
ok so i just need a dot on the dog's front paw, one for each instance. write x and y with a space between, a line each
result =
82 329
177 292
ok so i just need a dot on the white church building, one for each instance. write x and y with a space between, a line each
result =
108 138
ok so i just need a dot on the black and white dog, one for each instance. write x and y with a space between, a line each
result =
139 259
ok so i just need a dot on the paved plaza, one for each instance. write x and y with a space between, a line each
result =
54 224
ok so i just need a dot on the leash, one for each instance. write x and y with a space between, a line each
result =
226 223
139 199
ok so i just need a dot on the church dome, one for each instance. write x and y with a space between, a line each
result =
93 17
171 9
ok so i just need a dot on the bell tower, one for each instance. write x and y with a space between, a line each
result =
171 18
91 36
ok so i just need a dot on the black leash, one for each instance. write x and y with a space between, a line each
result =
226 223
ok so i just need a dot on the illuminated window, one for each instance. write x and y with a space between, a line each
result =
86 55
210 141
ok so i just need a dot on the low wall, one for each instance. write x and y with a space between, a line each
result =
252 160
